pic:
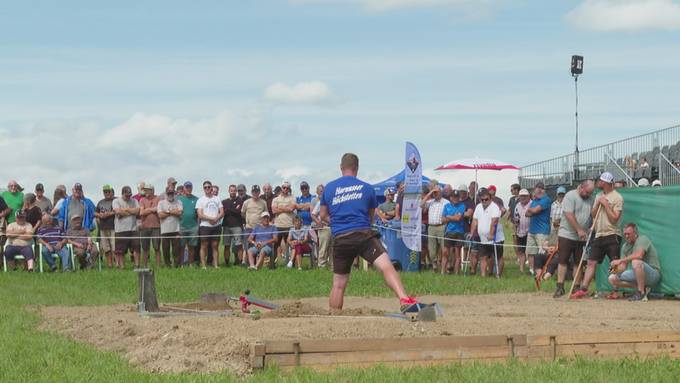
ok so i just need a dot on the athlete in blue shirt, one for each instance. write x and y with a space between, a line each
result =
348 204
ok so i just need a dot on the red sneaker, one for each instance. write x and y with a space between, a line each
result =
578 294
407 303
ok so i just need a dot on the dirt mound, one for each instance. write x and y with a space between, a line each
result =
300 309
209 344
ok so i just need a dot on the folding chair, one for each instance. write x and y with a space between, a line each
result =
55 256
73 255
4 259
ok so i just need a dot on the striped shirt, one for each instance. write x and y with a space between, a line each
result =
51 235
555 212
521 220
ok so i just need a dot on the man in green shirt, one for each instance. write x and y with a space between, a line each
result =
646 269
189 221
14 199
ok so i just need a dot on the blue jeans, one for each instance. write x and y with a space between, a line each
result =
652 276
63 254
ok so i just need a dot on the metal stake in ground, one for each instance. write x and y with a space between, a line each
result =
580 263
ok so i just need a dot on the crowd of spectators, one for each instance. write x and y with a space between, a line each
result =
463 228
181 229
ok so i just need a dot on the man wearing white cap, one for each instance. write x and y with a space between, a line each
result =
388 209
261 241
607 213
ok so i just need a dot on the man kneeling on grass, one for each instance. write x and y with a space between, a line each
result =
646 270
261 241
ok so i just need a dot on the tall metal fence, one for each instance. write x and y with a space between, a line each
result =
652 156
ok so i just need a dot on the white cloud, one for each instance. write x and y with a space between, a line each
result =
626 15
293 172
313 92
388 5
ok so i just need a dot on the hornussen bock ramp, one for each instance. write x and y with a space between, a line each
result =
331 353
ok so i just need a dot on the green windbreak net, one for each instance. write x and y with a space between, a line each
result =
656 211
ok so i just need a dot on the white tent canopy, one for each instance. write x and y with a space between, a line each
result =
485 171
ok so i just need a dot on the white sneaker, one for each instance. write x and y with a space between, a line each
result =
290 264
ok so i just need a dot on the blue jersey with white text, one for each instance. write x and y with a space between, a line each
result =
348 200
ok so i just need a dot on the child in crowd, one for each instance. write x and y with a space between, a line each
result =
298 239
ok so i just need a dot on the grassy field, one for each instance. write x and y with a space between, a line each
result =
30 355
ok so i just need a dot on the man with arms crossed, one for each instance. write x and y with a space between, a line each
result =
348 204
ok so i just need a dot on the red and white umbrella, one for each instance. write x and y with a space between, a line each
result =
477 164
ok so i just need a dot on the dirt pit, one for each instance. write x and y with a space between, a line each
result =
208 344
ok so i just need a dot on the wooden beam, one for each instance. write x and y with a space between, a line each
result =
385 344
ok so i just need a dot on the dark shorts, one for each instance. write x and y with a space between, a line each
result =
281 234
12 251
347 247
127 240
454 240
609 245
486 250
522 244
570 251
150 236
212 234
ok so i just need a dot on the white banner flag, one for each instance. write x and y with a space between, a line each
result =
411 216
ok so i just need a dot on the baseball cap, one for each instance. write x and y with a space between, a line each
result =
75 216
455 193
148 186
241 187
264 214
607 177
524 192
643 182
539 185
304 184
463 187
255 188
172 180
107 187
20 213
188 184
561 190
656 183
39 187
389 191
78 186
492 187
285 184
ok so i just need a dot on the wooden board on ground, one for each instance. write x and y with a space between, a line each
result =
325 354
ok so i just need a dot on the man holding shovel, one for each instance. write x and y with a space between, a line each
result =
606 211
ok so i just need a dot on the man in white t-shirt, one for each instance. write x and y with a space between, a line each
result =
486 222
210 212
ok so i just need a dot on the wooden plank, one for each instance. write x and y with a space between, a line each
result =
606 337
384 344
606 350
332 358
257 352
402 364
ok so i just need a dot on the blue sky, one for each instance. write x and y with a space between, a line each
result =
261 91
